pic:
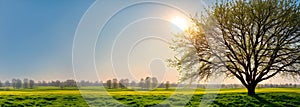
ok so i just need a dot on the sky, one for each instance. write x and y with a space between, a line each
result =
131 39
106 39
36 37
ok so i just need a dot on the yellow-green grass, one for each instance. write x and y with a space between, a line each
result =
39 92
53 90
197 91
261 90
53 96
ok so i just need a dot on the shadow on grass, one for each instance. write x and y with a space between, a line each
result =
263 101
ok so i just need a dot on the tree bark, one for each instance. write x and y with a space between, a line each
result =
251 89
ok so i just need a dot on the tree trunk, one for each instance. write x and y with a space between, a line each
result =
251 89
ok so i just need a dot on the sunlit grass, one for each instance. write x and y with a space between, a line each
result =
160 91
98 96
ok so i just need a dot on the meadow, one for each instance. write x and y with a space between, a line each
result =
70 97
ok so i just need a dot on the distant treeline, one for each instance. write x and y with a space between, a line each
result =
30 84
151 83
145 84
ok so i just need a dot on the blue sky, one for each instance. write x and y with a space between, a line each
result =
36 38
37 35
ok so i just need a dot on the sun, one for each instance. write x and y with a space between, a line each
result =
180 22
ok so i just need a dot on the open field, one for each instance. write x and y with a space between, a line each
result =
50 96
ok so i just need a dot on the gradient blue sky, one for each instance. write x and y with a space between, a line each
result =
36 38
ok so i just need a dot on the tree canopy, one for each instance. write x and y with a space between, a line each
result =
250 40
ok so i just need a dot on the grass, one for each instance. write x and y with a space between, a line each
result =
51 96
41 100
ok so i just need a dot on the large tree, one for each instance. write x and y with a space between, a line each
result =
251 40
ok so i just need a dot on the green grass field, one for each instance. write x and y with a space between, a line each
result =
52 96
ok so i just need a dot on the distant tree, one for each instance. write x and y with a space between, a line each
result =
126 82
57 83
70 83
31 84
82 83
14 83
154 82
122 84
133 84
115 83
98 83
7 84
167 85
148 83
44 83
1 84
62 85
142 83
25 83
109 84
18 84
252 40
